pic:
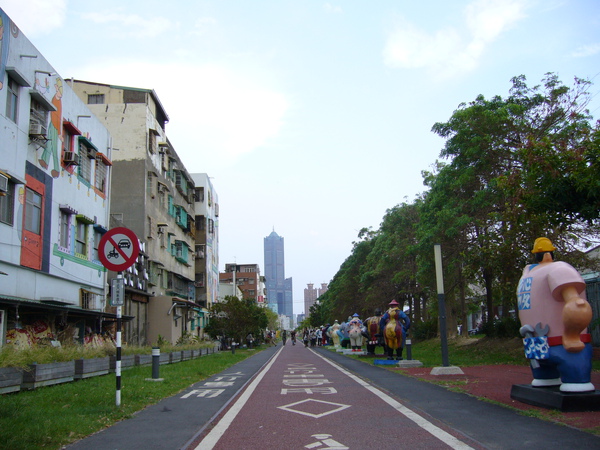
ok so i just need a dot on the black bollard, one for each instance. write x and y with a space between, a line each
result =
233 348
155 362
409 349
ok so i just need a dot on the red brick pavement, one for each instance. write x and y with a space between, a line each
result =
494 383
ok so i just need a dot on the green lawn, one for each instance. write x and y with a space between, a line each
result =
53 416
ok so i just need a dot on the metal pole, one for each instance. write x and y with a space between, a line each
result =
118 361
441 303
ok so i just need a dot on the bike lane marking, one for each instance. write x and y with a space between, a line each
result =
215 434
443 436
304 378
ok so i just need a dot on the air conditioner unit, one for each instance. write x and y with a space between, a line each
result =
37 129
71 158
3 183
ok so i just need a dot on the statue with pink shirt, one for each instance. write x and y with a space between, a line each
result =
554 315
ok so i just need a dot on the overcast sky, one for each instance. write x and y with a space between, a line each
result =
312 117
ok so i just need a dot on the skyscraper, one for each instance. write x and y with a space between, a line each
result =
279 289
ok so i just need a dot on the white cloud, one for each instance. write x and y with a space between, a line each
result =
134 24
212 109
586 50
452 50
36 17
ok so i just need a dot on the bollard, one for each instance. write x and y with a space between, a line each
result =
155 362
233 348
409 349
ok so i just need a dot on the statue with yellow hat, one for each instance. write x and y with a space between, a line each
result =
554 315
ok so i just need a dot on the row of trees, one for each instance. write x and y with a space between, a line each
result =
512 169
235 319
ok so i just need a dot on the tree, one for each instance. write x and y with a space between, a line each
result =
237 318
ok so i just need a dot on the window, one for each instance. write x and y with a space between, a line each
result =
97 237
101 173
65 223
38 120
199 194
7 204
81 238
87 153
95 99
88 300
200 251
12 99
33 211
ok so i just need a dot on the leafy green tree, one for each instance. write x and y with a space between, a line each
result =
499 190
237 318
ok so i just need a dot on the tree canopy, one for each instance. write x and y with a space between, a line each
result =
512 169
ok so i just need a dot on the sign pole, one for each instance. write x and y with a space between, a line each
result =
118 250
118 362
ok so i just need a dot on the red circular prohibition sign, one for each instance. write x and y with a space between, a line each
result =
118 249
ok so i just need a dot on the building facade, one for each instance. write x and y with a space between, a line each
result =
311 294
247 278
153 195
55 171
206 206
279 289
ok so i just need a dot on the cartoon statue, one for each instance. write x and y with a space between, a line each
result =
343 333
394 324
373 334
355 330
333 332
554 315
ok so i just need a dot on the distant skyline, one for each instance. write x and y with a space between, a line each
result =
312 117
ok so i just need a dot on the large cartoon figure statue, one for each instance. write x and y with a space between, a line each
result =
343 333
394 325
374 337
554 315
333 334
355 331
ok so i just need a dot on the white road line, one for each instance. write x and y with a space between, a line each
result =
217 432
408 413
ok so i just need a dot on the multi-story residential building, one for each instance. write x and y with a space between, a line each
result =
207 242
311 294
279 288
153 195
55 170
247 278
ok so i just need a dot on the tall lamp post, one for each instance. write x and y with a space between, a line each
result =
441 303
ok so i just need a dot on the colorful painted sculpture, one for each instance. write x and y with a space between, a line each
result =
554 315
374 337
355 332
394 325
333 334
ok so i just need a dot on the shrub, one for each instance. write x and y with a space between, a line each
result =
422 331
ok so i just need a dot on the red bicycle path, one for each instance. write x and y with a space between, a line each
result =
301 400
263 403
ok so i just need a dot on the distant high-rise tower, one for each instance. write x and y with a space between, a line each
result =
279 289
311 295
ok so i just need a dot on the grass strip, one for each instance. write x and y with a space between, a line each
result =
53 416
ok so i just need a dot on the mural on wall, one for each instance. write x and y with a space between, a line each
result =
55 135
7 27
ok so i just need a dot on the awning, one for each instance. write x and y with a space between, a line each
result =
72 310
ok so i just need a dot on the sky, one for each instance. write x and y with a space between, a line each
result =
312 117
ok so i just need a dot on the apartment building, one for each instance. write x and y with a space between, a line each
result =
248 279
55 171
153 195
206 206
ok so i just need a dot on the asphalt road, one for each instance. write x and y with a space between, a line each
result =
297 398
